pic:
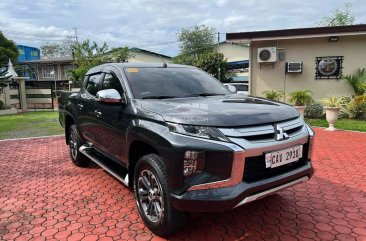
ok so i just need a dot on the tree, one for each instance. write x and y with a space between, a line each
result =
209 62
89 54
198 48
8 50
57 50
195 41
339 17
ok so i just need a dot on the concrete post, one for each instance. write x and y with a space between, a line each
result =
23 96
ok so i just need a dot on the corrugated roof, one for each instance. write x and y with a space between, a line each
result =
283 33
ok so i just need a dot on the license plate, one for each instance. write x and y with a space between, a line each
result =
283 157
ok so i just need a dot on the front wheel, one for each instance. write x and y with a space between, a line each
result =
151 187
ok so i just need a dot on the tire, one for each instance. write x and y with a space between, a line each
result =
74 144
151 169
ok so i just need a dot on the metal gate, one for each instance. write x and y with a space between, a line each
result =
39 94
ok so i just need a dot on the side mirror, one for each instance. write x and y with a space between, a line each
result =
110 96
231 88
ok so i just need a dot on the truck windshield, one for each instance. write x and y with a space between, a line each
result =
164 83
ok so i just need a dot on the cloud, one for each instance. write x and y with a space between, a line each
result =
153 24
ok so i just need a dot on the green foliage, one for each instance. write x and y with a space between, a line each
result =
357 81
1 104
354 107
333 101
8 50
339 17
301 97
198 48
89 54
343 124
209 62
195 41
273 94
314 110
119 55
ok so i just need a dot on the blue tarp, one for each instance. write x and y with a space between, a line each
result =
239 64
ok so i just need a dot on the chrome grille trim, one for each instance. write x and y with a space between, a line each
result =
268 129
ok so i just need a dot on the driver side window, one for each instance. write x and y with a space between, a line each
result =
112 82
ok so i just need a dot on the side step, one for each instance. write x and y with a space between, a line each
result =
111 168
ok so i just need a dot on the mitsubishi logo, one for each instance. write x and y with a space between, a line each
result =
280 133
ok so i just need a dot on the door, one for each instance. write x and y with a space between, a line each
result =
112 121
86 108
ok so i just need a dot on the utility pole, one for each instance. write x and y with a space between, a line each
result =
218 56
76 34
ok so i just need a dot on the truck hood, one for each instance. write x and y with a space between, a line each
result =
220 111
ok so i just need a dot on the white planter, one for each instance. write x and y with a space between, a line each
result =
8 111
300 109
331 114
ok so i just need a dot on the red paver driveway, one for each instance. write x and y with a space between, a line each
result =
43 196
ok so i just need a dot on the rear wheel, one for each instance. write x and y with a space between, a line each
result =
74 144
151 187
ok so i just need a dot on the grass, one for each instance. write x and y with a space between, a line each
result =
342 124
30 124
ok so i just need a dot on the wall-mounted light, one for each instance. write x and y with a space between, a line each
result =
333 39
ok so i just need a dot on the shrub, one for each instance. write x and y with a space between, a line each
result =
301 97
273 94
332 101
314 110
355 108
357 81
1 105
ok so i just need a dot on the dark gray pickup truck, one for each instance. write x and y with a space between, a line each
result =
183 140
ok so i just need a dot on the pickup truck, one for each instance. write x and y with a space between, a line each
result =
182 140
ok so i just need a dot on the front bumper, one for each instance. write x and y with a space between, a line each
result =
221 199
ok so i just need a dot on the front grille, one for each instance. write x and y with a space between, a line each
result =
255 167
266 132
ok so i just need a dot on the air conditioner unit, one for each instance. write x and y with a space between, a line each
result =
294 67
267 55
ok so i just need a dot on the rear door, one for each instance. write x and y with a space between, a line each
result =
86 108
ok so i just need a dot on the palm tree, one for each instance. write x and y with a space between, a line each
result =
357 81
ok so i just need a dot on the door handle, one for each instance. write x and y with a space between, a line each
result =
80 106
98 113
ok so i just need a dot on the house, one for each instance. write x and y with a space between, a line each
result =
58 68
142 55
304 58
47 69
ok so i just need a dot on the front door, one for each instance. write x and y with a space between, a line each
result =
113 121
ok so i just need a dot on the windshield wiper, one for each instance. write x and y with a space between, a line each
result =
203 94
159 97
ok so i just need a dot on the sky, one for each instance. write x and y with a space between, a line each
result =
153 25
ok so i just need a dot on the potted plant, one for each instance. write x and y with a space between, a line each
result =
332 108
273 94
301 98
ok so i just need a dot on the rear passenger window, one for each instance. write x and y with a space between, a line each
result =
92 85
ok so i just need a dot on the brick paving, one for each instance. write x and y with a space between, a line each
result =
43 196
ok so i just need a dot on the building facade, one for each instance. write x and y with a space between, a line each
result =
312 59
27 53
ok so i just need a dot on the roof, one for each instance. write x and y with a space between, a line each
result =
99 68
65 59
359 29
134 49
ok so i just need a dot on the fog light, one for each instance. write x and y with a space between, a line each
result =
194 162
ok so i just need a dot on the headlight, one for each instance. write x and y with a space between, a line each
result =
198 131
